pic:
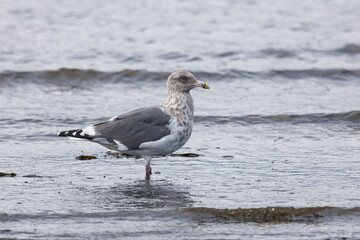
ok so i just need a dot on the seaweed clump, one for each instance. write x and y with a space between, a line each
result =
3 174
85 157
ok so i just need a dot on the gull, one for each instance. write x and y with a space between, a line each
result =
153 131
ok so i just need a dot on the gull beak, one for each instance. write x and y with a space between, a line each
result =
205 85
202 84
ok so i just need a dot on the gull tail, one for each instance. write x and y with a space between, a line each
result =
77 133
89 134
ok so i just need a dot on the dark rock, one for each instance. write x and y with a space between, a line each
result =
32 176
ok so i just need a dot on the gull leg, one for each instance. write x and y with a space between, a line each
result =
147 167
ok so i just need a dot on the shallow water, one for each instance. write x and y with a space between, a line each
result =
277 135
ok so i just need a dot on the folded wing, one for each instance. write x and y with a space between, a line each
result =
131 129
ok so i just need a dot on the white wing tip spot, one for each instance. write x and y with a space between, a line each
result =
121 146
113 118
90 130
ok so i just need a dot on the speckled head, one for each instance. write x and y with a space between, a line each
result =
184 81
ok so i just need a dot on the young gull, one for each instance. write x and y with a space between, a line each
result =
152 131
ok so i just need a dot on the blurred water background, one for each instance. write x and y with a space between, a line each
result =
276 139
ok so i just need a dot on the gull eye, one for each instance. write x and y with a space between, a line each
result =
184 78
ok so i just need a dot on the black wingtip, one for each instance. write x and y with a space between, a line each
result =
77 133
62 134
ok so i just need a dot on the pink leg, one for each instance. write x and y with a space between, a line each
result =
147 167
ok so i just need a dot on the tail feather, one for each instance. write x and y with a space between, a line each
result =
77 133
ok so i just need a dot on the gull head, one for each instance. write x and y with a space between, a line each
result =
184 81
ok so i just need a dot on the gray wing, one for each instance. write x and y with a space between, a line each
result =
134 128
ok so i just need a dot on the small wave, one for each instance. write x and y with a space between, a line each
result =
77 76
349 49
66 75
278 53
270 214
330 74
352 116
226 54
172 56
314 73
270 52
203 214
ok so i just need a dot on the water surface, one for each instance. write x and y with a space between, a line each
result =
276 139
